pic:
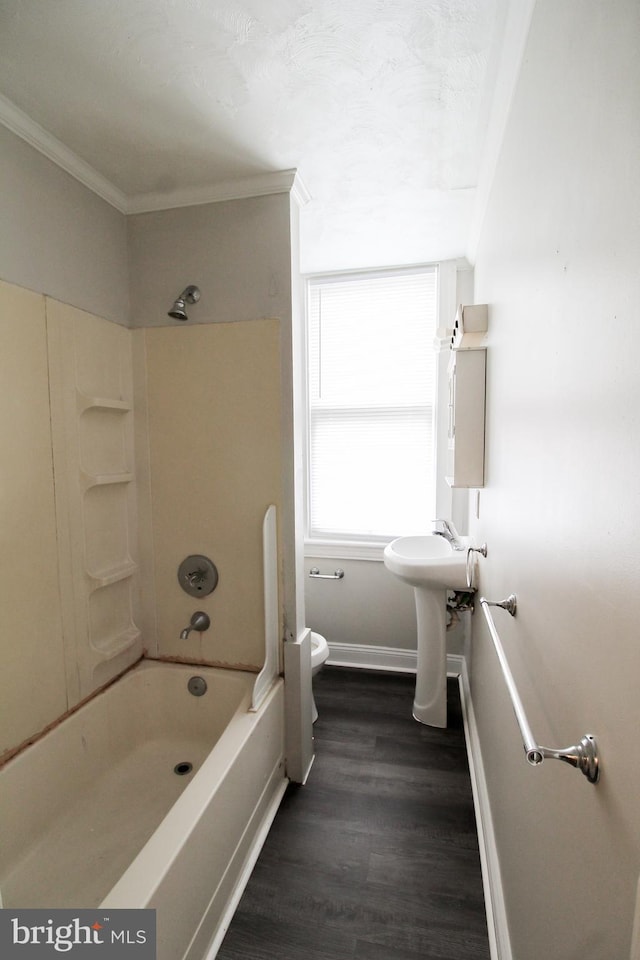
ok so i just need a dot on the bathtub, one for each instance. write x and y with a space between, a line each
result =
105 809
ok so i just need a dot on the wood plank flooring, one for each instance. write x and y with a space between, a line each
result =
376 857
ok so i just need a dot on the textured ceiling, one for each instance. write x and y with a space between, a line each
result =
381 105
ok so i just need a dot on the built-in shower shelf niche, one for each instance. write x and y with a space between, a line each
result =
84 402
111 630
105 578
110 647
92 425
88 480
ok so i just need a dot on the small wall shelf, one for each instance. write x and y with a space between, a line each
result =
100 403
467 386
104 480
108 648
104 578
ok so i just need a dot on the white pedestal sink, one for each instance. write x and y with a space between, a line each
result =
431 565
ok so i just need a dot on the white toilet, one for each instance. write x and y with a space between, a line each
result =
319 653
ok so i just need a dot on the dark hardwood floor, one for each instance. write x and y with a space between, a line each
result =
376 857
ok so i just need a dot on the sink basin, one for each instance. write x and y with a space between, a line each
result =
431 566
427 561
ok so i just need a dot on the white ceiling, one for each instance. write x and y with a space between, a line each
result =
381 105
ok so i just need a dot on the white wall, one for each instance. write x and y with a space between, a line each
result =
558 265
58 237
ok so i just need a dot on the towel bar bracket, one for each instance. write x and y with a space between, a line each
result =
510 604
583 756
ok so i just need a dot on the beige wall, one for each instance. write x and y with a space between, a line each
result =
32 678
218 399
58 237
558 265
214 408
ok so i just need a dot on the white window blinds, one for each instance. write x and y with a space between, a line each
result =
372 370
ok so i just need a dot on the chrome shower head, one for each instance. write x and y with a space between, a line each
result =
190 294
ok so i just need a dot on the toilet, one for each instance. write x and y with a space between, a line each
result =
319 654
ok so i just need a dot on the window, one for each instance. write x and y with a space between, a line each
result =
371 383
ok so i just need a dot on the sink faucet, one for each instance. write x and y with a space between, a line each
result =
446 529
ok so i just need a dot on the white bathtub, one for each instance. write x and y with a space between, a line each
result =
93 814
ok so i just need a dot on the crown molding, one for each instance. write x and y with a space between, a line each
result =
261 185
27 129
282 181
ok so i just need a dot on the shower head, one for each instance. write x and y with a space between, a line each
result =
190 294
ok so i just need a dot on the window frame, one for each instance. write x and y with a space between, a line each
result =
357 546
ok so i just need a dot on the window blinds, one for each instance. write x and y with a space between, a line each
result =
371 369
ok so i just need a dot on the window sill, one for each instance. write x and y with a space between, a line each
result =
341 550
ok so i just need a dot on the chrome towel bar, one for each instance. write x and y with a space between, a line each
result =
584 755
315 572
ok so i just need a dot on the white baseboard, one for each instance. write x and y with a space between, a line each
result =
499 941
389 659
372 658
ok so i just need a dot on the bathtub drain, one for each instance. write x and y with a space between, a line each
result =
197 686
182 768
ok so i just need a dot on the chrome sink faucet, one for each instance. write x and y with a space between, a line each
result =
446 529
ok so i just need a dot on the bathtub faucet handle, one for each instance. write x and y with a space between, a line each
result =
199 621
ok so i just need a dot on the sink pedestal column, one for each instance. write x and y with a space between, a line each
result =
430 703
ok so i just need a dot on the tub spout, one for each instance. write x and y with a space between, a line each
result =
199 621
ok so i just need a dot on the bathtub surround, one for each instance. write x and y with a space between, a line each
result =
212 502
32 641
219 246
91 390
242 254
213 415
209 492
67 418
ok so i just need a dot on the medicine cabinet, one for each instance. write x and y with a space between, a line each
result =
467 386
